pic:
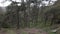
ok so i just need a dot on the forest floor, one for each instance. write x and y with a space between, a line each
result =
23 31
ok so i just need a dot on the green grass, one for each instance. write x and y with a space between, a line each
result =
24 33
51 33
10 32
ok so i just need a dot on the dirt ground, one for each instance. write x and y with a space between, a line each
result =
23 31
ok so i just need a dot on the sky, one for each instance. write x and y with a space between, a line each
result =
5 4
